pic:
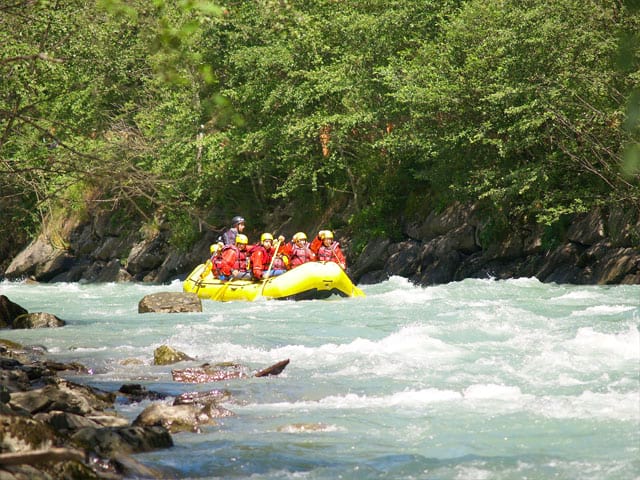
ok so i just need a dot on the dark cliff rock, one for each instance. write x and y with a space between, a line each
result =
599 247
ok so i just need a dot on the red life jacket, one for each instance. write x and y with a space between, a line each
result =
241 263
278 263
265 256
326 254
300 255
216 264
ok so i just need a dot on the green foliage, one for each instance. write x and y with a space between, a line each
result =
183 232
494 230
529 110
554 232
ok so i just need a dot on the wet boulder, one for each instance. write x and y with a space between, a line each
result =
202 398
65 421
170 302
165 355
65 396
304 427
19 434
53 428
110 442
9 311
147 255
135 392
37 320
113 271
183 417
32 259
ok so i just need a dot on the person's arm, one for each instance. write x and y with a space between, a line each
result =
315 244
286 249
257 259
312 256
340 259
228 261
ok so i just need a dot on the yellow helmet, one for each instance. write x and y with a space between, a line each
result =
326 234
299 236
266 236
241 238
216 247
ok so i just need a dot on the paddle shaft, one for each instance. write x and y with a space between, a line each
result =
275 252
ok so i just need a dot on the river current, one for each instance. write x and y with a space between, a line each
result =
478 379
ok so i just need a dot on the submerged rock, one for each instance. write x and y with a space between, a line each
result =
210 373
223 371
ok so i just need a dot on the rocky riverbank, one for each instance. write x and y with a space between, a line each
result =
52 427
55 428
599 247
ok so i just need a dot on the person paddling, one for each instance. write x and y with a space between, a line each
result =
234 260
298 250
214 262
261 256
327 250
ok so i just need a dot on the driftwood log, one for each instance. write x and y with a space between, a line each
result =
42 456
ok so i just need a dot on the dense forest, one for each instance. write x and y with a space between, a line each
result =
356 113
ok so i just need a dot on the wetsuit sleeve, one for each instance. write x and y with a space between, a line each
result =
340 257
257 263
228 261
315 244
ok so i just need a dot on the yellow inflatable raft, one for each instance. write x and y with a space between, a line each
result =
309 281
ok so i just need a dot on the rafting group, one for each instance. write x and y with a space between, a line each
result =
272 268
232 258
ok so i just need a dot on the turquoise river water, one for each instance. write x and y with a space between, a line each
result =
478 379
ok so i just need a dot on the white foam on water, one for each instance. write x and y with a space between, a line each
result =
492 399
309 428
579 295
584 356
406 296
493 391
443 361
351 401
589 405
410 348
603 310
606 347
